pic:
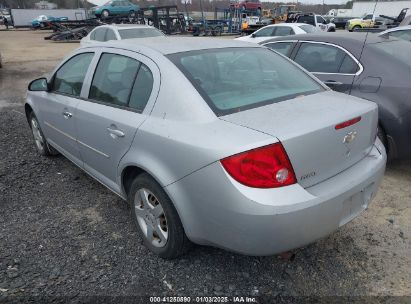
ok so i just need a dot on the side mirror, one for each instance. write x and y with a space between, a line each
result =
253 35
39 84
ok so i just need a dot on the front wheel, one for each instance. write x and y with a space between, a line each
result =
356 28
156 218
42 146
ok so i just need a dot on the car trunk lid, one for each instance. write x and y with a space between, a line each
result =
306 126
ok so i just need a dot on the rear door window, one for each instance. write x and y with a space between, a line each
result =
113 79
321 58
142 89
348 66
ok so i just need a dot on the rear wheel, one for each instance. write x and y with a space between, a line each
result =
156 218
42 146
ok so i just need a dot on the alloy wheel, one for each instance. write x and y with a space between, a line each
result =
150 217
38 137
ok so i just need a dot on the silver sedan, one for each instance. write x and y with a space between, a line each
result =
211 141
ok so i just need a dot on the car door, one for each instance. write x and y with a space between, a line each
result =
332 64
116 8
59 105
113 109
321 24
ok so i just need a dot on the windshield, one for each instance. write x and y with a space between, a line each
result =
139 33
236 79
309 28
397 49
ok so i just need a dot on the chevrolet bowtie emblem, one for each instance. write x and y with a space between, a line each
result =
350 137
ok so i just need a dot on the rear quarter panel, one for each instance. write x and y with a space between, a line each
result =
393 96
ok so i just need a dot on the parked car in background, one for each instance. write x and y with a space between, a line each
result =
120 32
247 5
382 74
115 8
400 32
256 165
40 21
278 30
316 20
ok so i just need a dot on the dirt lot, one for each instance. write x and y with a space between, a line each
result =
65 235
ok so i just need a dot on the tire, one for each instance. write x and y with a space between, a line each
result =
156 219
356 27
42 146
331 29
105 14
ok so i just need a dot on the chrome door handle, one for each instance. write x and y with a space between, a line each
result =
115 132
332 83
67 115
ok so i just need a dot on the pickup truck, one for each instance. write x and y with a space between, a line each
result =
316 20
366 21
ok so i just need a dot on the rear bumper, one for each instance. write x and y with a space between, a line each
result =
216 210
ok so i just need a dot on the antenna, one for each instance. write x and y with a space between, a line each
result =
365 41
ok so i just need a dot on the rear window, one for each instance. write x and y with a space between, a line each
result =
236 79
139 33
397 49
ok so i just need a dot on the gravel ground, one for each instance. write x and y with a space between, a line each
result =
64 235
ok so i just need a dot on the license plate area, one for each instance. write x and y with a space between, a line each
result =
356 204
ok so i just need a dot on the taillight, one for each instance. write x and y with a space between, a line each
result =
265 167
348 123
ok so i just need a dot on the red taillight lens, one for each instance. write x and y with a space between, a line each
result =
265 167
348 123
